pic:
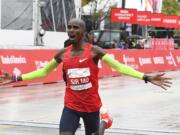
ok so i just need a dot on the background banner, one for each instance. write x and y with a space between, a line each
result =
24 61
123 15
133 16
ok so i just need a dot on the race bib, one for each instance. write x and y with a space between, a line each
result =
78 72
79 78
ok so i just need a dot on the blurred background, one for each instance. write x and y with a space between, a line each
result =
35 18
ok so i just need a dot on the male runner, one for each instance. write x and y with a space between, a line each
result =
80 61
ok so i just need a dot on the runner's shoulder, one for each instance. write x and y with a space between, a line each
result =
98 51
59 55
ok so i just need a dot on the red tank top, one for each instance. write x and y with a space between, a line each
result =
82 81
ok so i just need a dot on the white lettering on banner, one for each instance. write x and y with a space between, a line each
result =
171 60
144 61
13 60
170 20
130 61
124 11
172 57
123 15
81 87
127 59
178 59
78 72
156 19
123 18
142 16
158 60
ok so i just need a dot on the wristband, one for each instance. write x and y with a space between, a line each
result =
15 77
145 78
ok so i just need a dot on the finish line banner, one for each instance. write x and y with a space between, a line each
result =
123 15
24 61
133 16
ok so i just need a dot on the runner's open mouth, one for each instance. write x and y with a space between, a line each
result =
71 37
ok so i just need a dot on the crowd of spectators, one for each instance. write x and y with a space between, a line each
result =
129 44
122 44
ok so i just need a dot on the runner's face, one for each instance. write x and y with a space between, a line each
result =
75 31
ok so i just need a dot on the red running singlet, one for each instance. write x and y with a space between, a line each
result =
82 81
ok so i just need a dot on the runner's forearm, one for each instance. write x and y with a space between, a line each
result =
40 73
122 68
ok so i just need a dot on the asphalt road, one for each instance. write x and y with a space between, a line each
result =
137 108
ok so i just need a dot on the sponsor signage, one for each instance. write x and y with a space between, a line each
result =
156 19
123 15
133 16
24 61
6 59
143 18
170 21
162 44
178 23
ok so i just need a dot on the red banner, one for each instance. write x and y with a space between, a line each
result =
23 61
123 15
133 16
145 61
163 61
176 56
143 18
170 21
178 23
162 44
156 20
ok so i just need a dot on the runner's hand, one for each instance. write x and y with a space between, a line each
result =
160 80
6 78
